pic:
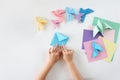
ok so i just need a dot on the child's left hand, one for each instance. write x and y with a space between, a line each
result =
54 54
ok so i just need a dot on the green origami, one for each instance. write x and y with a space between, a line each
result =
100 25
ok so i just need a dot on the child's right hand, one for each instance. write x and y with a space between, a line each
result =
67 54
54 54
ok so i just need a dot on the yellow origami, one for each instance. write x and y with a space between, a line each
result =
41 22
110 49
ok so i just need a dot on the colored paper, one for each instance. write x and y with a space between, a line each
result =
41 22
88 35
96 49
78 17
55 23
70 14
89 50
100 27
85 12
59 14
115 26
110 49
59 39
108 34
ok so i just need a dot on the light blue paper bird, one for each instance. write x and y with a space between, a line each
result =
70 14
96 49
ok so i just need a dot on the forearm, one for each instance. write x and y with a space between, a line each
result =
45 71
76 74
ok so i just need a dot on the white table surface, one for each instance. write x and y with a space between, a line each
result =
23 51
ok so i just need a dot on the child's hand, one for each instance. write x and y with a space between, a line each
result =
67 54
54 54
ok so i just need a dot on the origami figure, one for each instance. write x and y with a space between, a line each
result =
59 39
59 14
85 12
41 22
96 49
70 13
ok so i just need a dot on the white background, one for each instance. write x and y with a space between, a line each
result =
24 51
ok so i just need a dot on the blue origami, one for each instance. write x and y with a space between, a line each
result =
96 49
59 39
85 12
70 14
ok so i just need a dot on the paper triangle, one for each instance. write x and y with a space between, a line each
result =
61 36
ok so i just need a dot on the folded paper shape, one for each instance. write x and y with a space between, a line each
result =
89 50
85 12
59 14
108 34
110 49
78 17
115 26
100 27
41 22
88 35
70 13
59 39
96 49
55 23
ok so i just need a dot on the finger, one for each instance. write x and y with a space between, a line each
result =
72 51
61 54
50 50
61 48
54 47
58 49
55 52
64 49
69 51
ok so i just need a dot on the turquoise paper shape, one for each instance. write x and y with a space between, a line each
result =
115 26
85 12
96 49
100 27
59 39
70 13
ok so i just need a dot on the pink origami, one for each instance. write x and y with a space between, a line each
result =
55 23
59 14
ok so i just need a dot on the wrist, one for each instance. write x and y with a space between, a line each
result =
51 63
69 62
